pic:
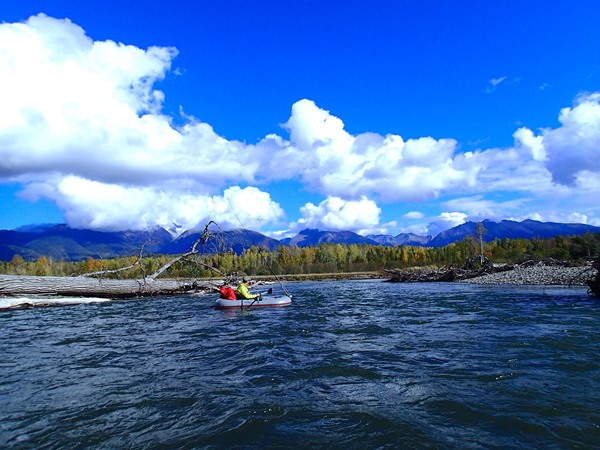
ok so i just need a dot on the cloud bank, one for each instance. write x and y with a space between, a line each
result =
81 124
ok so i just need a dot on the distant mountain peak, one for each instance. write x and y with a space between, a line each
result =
401 239
36 228
526 229
62 242
313 237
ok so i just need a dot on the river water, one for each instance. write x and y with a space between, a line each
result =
351 364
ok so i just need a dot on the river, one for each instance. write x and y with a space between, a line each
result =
351 364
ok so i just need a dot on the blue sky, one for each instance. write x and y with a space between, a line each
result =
370 116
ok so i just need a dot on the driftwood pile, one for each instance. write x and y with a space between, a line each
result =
449 273
594 283
529 272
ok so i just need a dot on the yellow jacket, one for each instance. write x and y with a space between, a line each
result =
242 291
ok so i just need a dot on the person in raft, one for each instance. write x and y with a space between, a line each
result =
242 291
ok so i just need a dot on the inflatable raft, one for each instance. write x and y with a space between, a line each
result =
263 301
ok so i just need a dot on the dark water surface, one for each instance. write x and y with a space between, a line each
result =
350 364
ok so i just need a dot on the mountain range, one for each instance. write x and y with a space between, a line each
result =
62 242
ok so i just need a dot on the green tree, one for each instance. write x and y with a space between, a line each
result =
43 267
17 265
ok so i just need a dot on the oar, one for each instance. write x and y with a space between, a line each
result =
268 291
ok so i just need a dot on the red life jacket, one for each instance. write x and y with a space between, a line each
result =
227 292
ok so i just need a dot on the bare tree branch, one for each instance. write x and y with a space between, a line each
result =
104 272
203 238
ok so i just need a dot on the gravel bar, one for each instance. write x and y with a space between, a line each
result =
538 275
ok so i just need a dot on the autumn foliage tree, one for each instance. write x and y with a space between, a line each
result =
324 258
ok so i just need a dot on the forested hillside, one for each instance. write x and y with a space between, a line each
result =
326 258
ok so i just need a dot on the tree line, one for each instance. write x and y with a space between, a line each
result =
324 258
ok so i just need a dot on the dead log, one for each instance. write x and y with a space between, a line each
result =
98 287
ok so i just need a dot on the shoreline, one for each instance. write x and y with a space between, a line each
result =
531 275
375 275
538 275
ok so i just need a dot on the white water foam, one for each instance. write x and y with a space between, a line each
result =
19 302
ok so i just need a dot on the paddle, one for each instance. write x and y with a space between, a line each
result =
259 297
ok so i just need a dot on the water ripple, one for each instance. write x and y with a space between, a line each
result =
376 366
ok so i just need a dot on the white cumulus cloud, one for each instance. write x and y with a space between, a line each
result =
96 205
336 163
574 147
334 213
81 124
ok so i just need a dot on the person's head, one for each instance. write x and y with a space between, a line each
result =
246 279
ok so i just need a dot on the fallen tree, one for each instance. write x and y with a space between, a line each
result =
96 284
97 287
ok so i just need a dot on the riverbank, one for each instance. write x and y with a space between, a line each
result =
538 275
327 276
520 275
